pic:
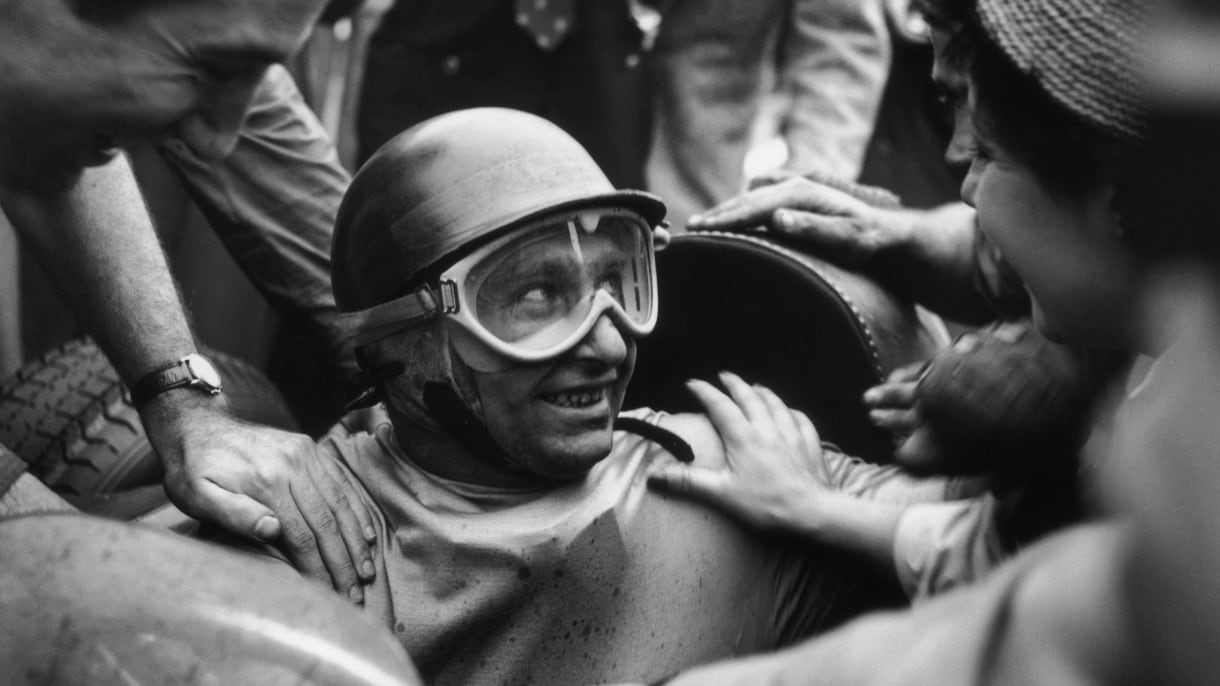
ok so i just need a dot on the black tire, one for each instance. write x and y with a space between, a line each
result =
69 416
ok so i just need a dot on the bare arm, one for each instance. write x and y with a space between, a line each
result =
97 243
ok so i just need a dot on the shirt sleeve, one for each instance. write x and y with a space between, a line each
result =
834 63
273 203
891 484
946 536
1054 614
938 546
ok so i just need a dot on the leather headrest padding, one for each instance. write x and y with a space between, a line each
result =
814 333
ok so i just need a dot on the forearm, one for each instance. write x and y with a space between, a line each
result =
939 546
932 260
96 242
860 526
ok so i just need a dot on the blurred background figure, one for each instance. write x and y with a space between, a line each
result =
811 70
578 64
1167 472
906 154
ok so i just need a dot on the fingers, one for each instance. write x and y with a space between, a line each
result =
354 523
755 407
813 442
724 414
233 511
315 536
754 208
750 401
907 373
783 418
770 178
808 431
901 421
298 542
891 395
342 488
745 211
837 237
696 482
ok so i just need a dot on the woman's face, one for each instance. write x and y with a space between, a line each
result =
1065 246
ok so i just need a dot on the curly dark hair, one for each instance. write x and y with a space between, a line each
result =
1067 153
958 18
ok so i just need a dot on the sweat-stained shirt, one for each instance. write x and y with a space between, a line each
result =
600 580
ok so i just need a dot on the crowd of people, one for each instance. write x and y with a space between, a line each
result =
487 272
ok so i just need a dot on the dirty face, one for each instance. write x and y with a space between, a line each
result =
113 73
555 420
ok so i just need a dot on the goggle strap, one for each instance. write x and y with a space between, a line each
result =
388 318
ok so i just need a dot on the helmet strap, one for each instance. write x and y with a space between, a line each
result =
370 380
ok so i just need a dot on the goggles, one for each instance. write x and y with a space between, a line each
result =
534 293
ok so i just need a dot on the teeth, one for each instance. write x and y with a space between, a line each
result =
575 399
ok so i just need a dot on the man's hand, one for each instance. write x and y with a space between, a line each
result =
773 458
844 228
263 483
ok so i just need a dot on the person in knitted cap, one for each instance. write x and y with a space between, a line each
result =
1054 196
1059 140
494 284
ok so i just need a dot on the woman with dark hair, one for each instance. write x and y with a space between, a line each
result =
1055 133
1058 137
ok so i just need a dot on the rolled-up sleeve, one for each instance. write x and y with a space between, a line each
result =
273 203
947 533
938 546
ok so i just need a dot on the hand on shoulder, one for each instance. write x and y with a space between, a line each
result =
757 459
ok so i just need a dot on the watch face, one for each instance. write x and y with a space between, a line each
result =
203 370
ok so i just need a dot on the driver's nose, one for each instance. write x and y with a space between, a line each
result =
604 343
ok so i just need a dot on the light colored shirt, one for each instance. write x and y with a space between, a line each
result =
595 581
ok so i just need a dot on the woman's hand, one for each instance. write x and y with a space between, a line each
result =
773 467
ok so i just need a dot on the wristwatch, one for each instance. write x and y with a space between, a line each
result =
193 371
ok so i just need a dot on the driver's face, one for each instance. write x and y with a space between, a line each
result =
160 69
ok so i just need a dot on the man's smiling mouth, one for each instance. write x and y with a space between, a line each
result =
578 399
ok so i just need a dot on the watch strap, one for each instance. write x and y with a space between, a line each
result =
177 375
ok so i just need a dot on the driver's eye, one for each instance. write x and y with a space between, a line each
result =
536 295
613 282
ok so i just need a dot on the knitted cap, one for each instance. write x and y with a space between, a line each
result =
1084 53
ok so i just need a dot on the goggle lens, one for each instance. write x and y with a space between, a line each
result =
537 289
